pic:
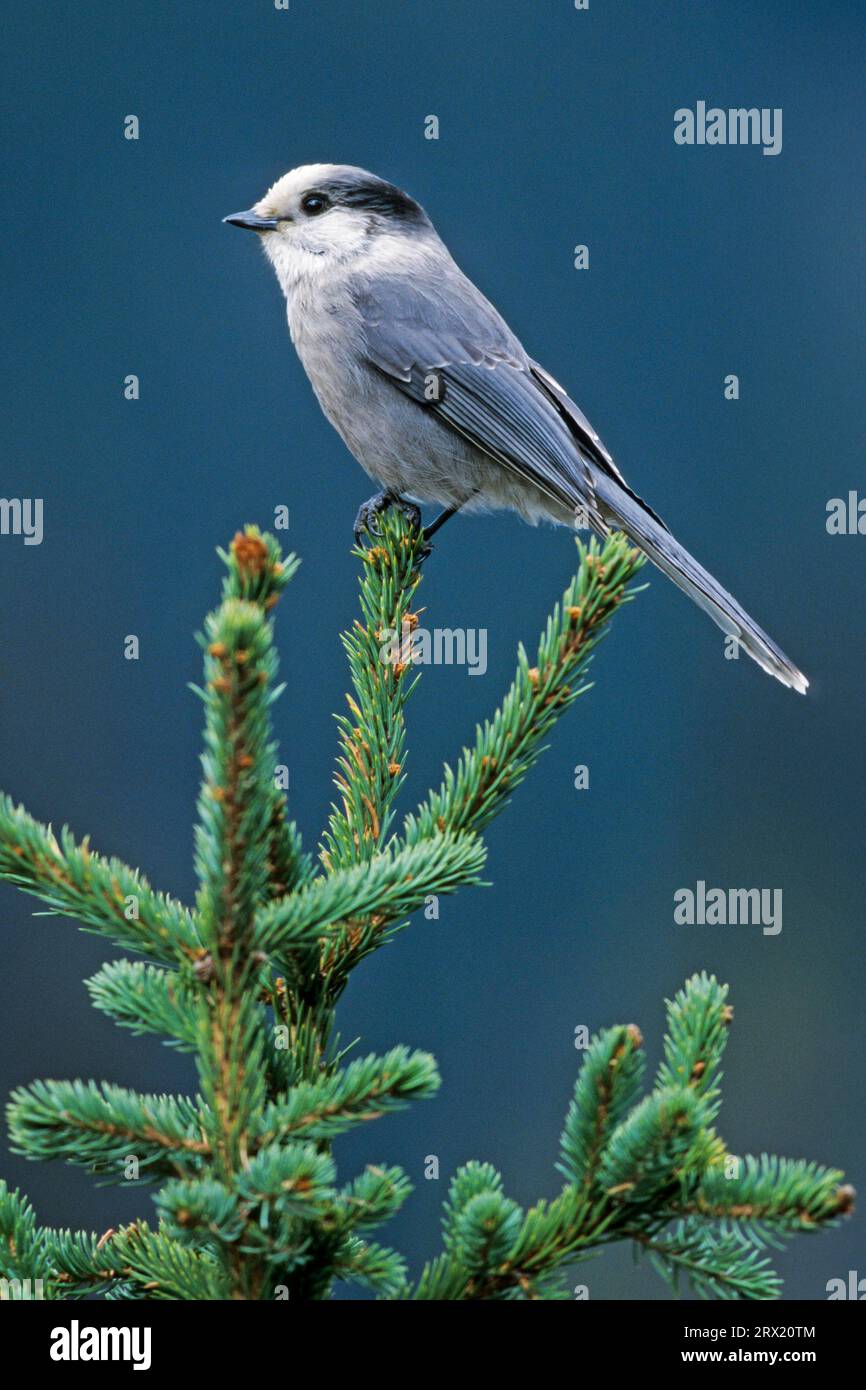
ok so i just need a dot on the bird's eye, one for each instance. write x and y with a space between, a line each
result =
314 203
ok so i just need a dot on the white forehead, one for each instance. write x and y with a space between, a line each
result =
296 181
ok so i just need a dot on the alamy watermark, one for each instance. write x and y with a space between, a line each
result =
77 1343
21 1290
22 516
738 125
729 907
846 516
851 1288
438 646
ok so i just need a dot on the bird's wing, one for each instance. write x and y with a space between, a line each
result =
583 431
443 344
589 440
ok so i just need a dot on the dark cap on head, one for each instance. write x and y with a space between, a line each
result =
355 188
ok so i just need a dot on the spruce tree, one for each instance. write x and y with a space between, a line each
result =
248 1201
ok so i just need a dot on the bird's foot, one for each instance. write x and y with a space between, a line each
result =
369 512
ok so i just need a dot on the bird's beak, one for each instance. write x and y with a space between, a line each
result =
252 221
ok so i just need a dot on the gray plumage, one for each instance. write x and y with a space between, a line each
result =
433 393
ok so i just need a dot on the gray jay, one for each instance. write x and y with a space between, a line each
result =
432 392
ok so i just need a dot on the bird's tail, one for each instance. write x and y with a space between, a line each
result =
625 513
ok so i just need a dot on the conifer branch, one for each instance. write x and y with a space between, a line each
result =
607 1087
372 736
789 1195
698 1023
103 1126
258 573
648 1152
103 895
22 1243
374 1266
234 848
299 1177
717 1266
657 1178
134 1263
146 999
199 1210
362 1091
393 884
508 745
374 1196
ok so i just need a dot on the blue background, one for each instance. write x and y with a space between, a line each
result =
556 128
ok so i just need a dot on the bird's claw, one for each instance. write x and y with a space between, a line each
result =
411 511
369 512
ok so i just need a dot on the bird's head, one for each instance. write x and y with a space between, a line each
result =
329 211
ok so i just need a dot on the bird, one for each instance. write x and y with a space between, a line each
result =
433 393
